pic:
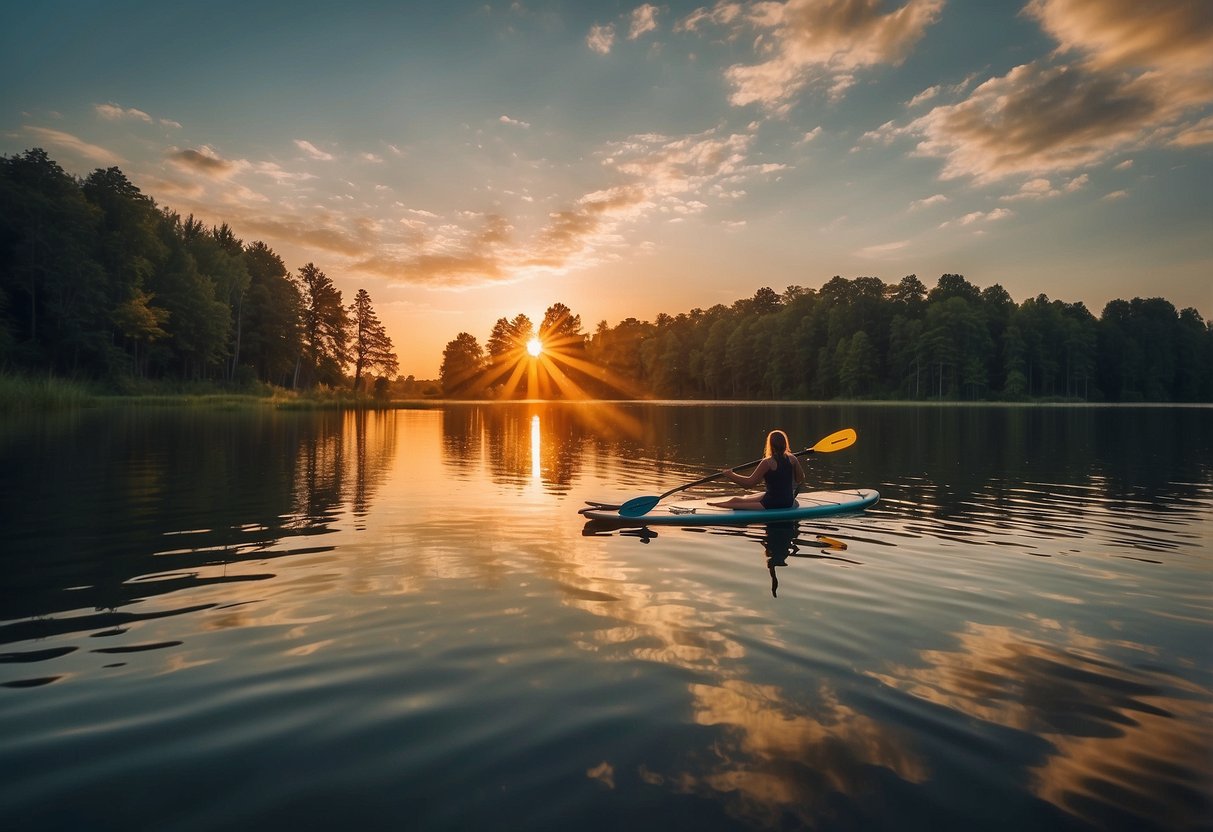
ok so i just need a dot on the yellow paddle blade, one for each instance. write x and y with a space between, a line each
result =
844 438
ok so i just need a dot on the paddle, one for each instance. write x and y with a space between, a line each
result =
638 506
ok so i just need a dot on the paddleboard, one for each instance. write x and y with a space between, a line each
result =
699 513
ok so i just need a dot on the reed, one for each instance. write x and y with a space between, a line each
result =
27 393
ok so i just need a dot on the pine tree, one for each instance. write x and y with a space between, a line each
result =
371 348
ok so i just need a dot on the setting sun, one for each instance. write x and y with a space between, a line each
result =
534 347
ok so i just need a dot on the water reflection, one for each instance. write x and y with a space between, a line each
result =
350 604
807 758
154 505
1125 740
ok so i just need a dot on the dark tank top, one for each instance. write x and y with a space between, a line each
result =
781 484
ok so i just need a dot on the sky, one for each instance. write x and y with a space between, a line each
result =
464 162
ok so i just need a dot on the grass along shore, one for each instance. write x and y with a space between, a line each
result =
39 394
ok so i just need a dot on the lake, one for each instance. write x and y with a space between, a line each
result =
250 619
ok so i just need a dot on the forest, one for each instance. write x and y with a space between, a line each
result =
99 283
862 339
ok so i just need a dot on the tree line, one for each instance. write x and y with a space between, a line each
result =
864 338
98 282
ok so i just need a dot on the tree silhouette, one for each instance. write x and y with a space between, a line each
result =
371 347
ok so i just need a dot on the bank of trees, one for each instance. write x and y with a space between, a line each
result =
97 281
864 338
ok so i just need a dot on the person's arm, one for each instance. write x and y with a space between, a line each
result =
753 479
799 470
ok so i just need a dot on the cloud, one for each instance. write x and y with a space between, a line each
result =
307 231
927 202
1128 34
453 257
924 96
722 14
643 19
815 42
1041 188
280 174
74 144
1114 195
882 249
112 112
313 151
1125 165
1039 118
980 216
674 177
1125 76
601 38
1196 134
204 161
513 122
370 157
809 136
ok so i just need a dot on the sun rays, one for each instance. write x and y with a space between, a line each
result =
550 363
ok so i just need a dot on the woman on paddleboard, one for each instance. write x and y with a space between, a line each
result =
780 470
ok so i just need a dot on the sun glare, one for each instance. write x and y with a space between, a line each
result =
534 347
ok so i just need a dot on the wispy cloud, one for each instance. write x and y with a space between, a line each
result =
653 176
1041 188
115 112
1139 75
1115 195
927 202
882 249
601 38
312 151
643 19
924 96
1195 134
205 161
979 216
513 122
1126 34
809 136
815 42
112 112
74 144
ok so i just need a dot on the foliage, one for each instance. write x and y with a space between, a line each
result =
99 283
371 346
463 361
863 338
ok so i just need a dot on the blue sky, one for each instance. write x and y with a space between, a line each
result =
467 161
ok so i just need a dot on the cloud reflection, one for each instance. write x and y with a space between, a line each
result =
1125 741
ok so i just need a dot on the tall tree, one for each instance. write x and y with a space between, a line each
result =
271 341
462 364
371 347
131 246
560 330
56 305
325 329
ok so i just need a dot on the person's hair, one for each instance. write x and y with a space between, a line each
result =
777 443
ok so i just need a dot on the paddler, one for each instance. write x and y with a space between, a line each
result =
780 470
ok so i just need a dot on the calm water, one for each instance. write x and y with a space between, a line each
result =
247 620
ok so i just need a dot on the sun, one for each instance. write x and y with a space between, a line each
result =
534 347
